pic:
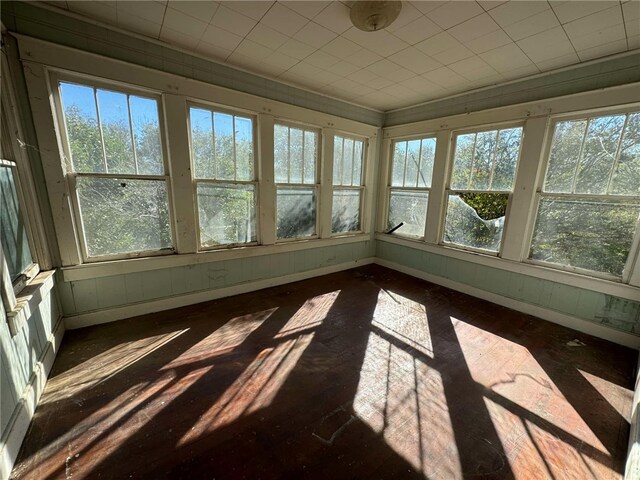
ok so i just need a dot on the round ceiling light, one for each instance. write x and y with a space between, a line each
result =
373 16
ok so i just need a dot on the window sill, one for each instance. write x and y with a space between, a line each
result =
609 287
132 265
29 299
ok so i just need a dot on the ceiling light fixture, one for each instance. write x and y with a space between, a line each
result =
374 16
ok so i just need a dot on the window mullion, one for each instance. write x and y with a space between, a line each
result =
493 159
437 192
133 137
580 153
326 183
104 148
473 161
267 187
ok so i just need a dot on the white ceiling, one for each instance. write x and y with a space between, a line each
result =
434 49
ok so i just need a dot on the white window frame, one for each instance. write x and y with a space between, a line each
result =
214 108
634 251
361 187
56 77
316 186
389 180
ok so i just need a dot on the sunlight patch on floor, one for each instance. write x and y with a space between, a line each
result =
311 314
620 398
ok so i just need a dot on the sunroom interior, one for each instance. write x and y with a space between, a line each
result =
247 239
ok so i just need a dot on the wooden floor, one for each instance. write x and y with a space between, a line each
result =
362 374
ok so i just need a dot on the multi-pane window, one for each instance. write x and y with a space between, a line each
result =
348 156
116 158
296 171
410 182
222 151
482 176
590 201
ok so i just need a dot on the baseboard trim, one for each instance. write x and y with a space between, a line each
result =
23 413
133 310
616 336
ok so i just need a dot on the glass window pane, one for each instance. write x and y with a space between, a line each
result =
345 211
397 170
626 180
565 153
347 162
81 120
476 219
281 153
310 155
410 208
426 162
202 142
462 161
507 152
594 235
224 146
226 214
244 149
338 165
13 234
296 155
413 164
483 161
123 215
116 131
358 159
599 154
296 212
146 133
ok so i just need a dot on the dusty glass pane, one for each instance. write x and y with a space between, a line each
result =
594 235
244 149
409 207
224 145
338 143
358 159
345 211
226 214
565 153
599 154
310 155
426 162
483 161
202 142
281 153
296 212
413 164
81 120
124 216
116 131
507 152
476 220
462 161
146 133
626 180
397 169
13 234
347 162
296 156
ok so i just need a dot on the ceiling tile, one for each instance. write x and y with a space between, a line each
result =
217 37
139 25
599 37
569 11
363 76
251 49
537 23
343 68
381 41
413 59
251 9
408 14
335 17
307 8
506 58
473 68
445 77
379 82
213 51
267 37
305 70
232 21
546 45
557 62
103 11
315 35
602 50
202 11
177 38
474 28
383 67
521 72
453 13
633 28
321 59
633 42
631 11
341 47
399 74
490 4
150 11
488 42
454 54
284 20
281 60
364 58
512 12
427 6
296 49
438 43
594 22
397 90
418 30
183 23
